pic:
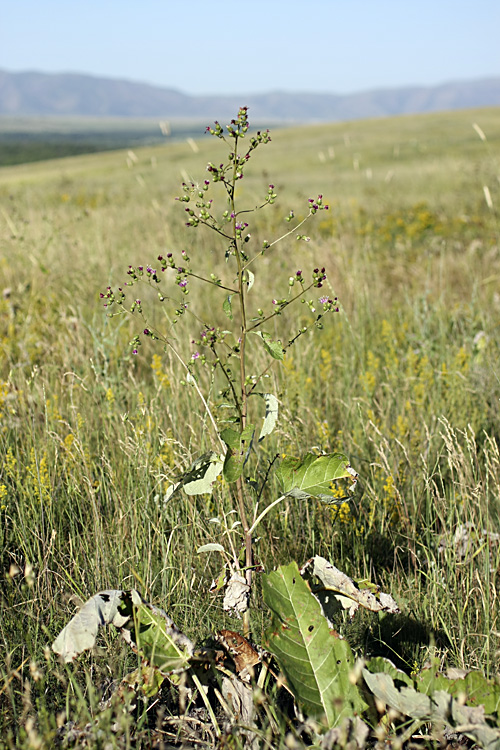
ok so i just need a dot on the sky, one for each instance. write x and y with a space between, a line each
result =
236 47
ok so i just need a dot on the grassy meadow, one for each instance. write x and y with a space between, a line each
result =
405 380
32 139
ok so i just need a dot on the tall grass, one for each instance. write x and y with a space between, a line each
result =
405 380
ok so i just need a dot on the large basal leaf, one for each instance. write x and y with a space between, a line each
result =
313 476
155 636
381 664
473 688
238 444
440 707
148 629
346 593
198 480
315 662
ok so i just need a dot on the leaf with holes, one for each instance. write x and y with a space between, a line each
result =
316 662
238 449
313 476
250 278
336 590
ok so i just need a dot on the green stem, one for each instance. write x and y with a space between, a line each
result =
283 236
264 513
285 304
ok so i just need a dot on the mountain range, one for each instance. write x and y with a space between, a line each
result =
32 93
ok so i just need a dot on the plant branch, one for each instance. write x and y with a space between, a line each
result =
275 242
264 513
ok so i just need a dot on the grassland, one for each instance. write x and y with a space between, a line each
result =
31 139
405 380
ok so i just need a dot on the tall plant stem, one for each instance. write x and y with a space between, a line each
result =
240 489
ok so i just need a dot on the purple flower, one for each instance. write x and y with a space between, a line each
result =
183 283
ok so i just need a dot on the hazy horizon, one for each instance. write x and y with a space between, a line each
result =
249 93
216 48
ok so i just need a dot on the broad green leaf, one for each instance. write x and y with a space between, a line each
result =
315 662
227 307
312 476
238 449
200 477
347 592
274 348
155 635
380 664
271 414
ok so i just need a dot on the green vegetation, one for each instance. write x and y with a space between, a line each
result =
404 380
29 139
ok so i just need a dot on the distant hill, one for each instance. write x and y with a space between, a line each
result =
43 94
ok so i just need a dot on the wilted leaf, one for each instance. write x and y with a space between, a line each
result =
81 631
236 596
347 592
439 708
473 688
239 697
315 662
200 477
312 476
147 628
352 733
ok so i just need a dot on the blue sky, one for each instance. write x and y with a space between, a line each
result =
232 47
